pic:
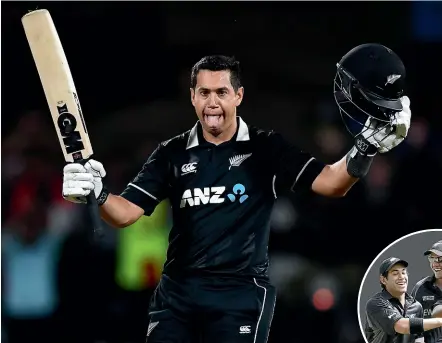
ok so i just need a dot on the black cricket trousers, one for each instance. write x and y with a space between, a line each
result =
211 309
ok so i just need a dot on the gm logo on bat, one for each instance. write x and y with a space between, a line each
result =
213 195
67 123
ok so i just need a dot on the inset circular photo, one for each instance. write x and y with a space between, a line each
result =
400 297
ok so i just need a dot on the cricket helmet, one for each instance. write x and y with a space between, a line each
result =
369 83
436 249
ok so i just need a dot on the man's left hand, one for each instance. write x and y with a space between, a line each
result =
386 137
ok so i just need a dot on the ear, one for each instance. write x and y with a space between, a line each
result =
239 96
382 279
192 96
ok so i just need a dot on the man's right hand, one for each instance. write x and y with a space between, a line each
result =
79 180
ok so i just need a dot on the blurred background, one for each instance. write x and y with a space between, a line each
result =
131 64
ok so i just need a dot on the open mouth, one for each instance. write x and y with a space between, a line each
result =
403 283
437 270
213 119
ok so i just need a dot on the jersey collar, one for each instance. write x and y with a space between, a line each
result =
387 296
242 134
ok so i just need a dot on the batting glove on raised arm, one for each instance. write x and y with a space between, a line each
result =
79 180
386 137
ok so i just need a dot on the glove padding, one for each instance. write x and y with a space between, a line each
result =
79 180
387 137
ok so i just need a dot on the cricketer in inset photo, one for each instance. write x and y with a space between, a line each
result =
388 310
428 291
392 315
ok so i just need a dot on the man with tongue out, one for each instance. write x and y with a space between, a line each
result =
428 291
222 178
215 95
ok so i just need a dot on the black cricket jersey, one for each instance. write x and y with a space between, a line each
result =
383 311
221 197
428 294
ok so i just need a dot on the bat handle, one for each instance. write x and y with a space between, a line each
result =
94 213
92 206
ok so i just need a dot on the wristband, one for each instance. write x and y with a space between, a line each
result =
360 157
416 326
103 196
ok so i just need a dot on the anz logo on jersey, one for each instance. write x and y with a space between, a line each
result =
213 195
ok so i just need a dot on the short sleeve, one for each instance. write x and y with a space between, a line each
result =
150 186
382 315
294 169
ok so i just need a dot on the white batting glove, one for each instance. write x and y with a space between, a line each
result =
389 136
79 180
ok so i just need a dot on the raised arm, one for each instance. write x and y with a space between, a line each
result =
334 180
337 179
140 197
119 212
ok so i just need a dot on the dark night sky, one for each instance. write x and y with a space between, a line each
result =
104 57
129 53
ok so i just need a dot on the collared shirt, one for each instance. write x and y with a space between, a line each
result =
383 311
428 294
222 196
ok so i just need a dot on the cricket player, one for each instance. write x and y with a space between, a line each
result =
222 178
392 315
428 291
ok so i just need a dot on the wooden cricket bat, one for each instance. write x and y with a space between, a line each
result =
61 95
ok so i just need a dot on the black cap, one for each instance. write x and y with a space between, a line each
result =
379 72
436 248
390 262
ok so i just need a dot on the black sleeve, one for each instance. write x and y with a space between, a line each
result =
382 315
294 169
421 311
150 186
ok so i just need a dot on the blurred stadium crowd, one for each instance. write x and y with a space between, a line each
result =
59 286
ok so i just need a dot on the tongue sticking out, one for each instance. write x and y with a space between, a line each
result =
213 120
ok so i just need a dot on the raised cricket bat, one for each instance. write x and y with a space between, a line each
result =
61 95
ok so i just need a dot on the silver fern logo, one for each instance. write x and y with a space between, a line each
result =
392 79
235 161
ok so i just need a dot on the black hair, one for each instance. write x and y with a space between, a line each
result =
385 275
217 63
